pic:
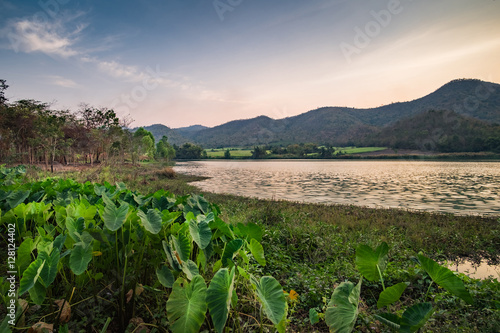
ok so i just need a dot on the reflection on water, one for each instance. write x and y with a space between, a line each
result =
447 187
481 271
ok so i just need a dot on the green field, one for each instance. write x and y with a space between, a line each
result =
359 150
235 152
246 152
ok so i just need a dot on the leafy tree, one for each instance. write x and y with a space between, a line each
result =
258 152
188 151
164 150
143 143
227 154
3 87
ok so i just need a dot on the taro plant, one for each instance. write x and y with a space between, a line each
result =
73 236
343 309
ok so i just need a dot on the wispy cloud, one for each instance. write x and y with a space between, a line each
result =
62 82
28 35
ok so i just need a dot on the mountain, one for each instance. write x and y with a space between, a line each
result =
189 131
442 130
343 126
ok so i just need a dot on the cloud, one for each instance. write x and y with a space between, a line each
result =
29 35
62 82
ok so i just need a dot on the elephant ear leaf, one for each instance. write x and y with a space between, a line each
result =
257 251
113 216
30 276
342 311
80 257
187 305
371 263
201 233
219 296
391 294
415 317
445 278
151 221
272 298
49 271
17 197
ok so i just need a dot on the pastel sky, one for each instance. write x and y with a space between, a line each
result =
186 62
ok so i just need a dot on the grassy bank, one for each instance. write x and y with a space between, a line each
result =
310 248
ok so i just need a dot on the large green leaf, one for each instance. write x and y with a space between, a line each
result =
75 227
272 298
391 294
369 262
201 233
165 276
257 251
219 295
30 276
24 254
445 278
190 268
151 221
80 257
186 306
249 231
182 245
169 253
313 316
17 197
342 311
49 271
113 216
415 317
38 293
222 226
391 320
230 250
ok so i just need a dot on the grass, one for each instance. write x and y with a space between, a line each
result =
310 248
235 152
359 150
246 153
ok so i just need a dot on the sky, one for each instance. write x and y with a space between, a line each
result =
187 62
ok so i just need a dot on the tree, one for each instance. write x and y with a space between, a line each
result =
143 144
164 150
3 87
227 154
188 151
258 152
103 129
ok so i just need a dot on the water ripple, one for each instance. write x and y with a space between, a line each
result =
447 187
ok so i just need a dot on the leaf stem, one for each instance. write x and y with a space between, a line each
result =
381 278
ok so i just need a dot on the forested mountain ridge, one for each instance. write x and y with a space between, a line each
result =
343 126
441 130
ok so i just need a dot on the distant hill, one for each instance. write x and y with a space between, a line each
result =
189 131
469 98
343 126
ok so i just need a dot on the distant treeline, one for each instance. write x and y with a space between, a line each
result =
31 132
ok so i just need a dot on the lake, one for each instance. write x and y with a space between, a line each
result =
446 187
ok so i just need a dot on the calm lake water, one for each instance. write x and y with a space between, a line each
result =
446 187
